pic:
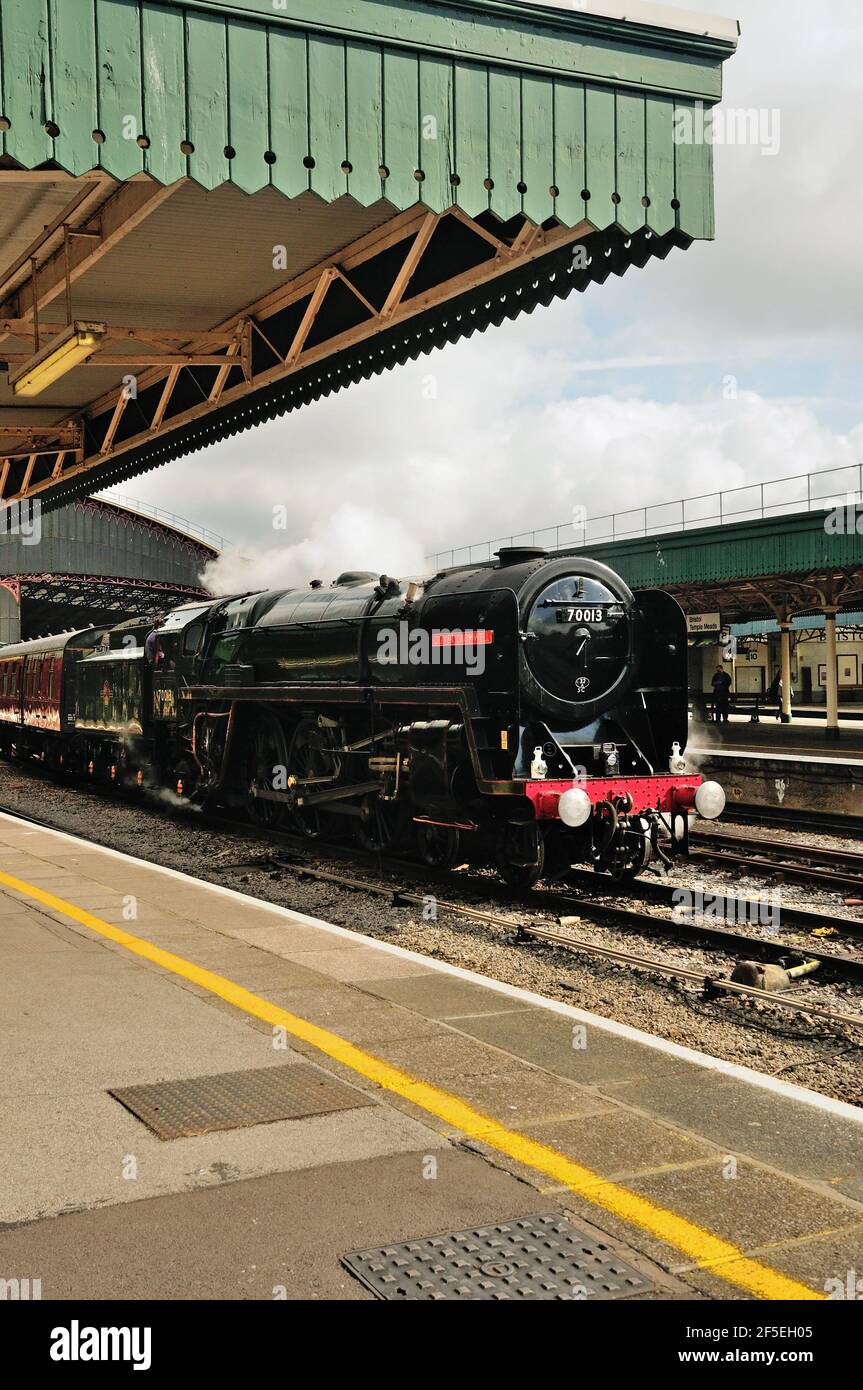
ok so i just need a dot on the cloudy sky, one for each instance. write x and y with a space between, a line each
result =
618 398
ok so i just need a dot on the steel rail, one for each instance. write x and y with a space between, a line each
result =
690 932
818 822
800 873
737 908
710 983
795 850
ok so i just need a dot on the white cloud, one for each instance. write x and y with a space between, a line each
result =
470 470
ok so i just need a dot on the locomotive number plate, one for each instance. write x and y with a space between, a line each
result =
596 614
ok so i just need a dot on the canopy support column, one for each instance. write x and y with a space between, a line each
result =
785 666
832 677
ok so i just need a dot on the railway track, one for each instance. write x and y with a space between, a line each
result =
600 893
712 984
297 851
816 822
566 905
739 909
848 859
600 888
838 869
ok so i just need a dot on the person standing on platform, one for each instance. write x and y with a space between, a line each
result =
721 695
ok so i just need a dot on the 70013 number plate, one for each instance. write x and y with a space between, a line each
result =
581 614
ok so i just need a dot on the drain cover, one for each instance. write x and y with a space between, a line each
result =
235 1099
538 1257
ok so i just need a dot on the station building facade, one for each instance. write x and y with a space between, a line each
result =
757 658
90 563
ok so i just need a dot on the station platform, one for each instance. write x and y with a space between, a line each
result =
800 738
337 1118
793 767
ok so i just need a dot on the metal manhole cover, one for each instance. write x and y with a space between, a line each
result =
533 1257
235 1099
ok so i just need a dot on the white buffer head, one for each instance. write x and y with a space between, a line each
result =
710 800
575 807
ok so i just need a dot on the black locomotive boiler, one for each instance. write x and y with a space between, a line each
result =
533 712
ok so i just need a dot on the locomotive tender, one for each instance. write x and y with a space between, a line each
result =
533 712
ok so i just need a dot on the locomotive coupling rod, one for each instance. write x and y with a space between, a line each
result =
340 793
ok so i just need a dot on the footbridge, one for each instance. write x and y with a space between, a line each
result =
777 550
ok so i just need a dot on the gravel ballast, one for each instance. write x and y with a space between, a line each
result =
797 1047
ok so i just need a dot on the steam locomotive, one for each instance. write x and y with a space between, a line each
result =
532 714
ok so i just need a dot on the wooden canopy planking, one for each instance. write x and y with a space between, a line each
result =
253 196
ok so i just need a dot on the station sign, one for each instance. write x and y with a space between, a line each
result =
704 622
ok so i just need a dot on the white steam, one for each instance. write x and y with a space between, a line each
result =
351 538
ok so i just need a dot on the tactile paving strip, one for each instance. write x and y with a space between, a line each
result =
533 1257
235 1099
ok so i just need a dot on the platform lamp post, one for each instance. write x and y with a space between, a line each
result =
832 677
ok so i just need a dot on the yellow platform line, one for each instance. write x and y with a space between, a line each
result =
707 1251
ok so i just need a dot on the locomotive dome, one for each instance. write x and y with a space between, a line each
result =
95 561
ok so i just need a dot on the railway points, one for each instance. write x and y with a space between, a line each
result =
423 1068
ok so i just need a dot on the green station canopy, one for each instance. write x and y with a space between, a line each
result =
482 103
242 206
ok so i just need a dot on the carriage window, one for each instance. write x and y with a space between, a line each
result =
192 639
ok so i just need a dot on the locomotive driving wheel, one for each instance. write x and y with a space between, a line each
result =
313 759
381 824
438 845
265 756
520 853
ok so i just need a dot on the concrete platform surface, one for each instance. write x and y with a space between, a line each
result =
770 738
489 1103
